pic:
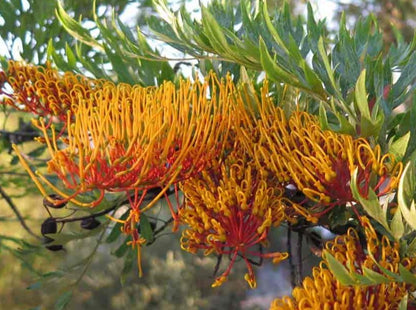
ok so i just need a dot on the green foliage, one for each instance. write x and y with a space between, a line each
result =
131 59
405 195
347 276
346 75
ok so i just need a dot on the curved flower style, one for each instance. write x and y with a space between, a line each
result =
130 138
318 162
230 208
324 291
43 91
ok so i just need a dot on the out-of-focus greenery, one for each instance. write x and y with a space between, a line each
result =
392 15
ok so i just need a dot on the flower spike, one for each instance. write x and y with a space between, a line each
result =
317 162
131 139
324 291
43 90
230 209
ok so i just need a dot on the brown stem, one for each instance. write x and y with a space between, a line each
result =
299 253
291 262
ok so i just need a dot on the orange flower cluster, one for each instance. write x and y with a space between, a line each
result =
324 291
43 91
126 138
318 162
132 139
230 209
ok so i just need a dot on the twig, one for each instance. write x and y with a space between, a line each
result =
160 229
163 226
14 173
299 253
75 219
30 134
289 250
89 259
17 213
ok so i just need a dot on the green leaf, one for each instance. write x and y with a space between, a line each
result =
272 29
372 127
362 280
128 266
340 272
63 300
75 28
146 230
375 277
411 249
345 126
313 80
329 71
403 302
116 231
370 205
119 66
369 126
214 32
323 120
405 193
398 148
273 70
122 249
386 271
408 277
397 226
72 60
58 60
37 152
14 160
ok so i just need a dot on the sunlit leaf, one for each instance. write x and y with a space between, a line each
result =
371 205
398 148
75 28
376 277
338 269
405 195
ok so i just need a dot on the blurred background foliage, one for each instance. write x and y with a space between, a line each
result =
116 42
390 14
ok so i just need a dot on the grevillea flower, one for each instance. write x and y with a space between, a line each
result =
321 162
230 209
43 90
324 291
131 139
318 162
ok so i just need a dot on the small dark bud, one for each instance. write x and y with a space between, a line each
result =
49 226
90 223
58 204
55 248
